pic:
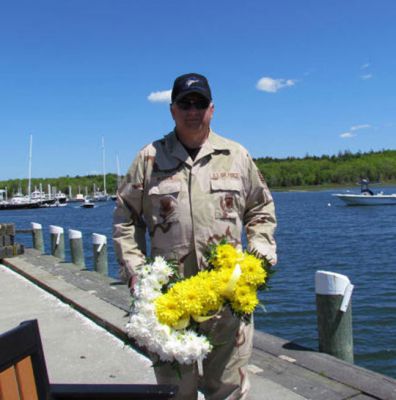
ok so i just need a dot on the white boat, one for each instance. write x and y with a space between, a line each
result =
87 203
367 197
100 196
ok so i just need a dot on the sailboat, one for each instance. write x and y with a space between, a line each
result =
98 195
114 196
31 200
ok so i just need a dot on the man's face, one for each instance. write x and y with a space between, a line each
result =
192 113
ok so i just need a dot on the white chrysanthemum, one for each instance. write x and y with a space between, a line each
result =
184 346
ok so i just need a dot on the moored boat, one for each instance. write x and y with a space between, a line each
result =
7 205
366 197
87 204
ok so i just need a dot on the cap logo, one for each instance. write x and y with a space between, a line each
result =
191 82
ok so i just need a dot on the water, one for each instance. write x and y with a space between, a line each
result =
315 231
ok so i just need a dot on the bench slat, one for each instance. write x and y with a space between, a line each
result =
26 381
9 385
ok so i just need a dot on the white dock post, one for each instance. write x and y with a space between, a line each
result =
334 313
37 236
100 253
57 241
76 247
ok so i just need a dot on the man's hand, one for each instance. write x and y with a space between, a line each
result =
132 282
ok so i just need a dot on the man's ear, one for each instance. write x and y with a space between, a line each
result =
212 107
171 110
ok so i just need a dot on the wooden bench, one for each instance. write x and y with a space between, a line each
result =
23 374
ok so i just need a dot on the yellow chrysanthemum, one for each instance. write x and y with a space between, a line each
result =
245 299
226 256
252 271
188 296
167 310
213 300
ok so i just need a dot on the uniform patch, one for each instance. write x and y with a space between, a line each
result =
167 206
260 176
225 175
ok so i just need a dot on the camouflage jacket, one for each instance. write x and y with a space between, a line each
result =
184 205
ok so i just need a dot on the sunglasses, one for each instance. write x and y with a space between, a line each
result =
197 104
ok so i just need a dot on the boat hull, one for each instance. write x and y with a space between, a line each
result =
366 200
19 206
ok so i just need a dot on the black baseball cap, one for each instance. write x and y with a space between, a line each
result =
190 83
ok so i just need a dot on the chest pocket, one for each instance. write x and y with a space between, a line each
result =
164 201
226 194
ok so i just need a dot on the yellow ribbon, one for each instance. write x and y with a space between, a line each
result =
182 323
233 280
200 318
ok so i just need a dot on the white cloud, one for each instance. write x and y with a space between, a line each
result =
160 97
364 66
366 76
351 133
347 135
358 127
270 85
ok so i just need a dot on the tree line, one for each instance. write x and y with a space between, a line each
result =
343 168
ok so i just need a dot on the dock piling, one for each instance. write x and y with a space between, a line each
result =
100 253
334 314
57 241
76 247
37 236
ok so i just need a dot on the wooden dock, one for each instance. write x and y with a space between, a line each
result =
280 369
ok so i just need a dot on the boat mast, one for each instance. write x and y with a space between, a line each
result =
30 167
104 169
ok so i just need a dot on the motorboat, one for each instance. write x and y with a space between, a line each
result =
366 197
87 203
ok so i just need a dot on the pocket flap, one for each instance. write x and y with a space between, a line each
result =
165 187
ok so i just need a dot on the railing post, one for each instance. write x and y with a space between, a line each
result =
334 314
37 236
76 247
100 253
8 247
57 241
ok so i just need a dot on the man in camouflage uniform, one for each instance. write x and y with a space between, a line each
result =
188 190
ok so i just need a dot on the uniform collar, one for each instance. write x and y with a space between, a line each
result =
214 143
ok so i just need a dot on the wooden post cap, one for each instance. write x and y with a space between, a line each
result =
36 226
73 234
330 283
55 229
333 284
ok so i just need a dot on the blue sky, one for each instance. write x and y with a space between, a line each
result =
288 77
